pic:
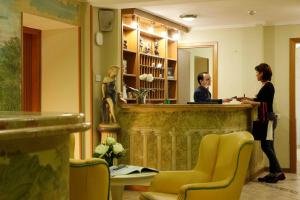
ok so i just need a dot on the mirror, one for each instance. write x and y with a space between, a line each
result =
192 60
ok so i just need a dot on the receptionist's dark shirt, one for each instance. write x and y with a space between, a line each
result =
202 95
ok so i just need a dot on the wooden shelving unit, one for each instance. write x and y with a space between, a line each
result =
149 47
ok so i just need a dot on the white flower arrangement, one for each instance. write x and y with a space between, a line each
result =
142 92
109 150
146 77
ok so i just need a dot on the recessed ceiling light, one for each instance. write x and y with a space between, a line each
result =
251 12
188 17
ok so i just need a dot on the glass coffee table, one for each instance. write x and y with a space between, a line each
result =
117 183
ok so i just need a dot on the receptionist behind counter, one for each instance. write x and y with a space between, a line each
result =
202 94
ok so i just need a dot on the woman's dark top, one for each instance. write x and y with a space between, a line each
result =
266 95
202 95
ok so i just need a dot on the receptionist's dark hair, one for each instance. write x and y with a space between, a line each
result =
201 76
266 70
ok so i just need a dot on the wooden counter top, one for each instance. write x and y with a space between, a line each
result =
181 107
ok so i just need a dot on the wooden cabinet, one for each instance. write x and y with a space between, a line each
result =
149 47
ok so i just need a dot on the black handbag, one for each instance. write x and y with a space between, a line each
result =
259 130
260 126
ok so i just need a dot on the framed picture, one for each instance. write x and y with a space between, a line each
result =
106 18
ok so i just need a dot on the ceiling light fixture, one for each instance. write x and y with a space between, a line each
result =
251 12
188 17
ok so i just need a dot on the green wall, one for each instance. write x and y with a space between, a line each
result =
10 41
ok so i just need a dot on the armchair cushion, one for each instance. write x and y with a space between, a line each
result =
171 181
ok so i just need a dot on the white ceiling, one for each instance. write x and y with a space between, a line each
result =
216 13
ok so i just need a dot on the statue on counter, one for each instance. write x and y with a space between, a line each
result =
109 95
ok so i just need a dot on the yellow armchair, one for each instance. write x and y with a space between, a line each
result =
220 171
89 179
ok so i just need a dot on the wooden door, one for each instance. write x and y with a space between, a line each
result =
183 76
201 65
31 84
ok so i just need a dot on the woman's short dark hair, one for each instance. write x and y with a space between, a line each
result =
266 70
200 76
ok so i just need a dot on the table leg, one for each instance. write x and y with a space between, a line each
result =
117 192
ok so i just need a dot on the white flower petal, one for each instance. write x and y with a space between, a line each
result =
110 141
118 148
143 77
101 149
150 78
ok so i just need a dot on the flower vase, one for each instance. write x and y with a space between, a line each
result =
141 99
110 161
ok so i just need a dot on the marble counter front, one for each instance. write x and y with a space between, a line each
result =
34 154
167 137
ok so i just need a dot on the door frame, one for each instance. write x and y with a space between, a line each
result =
31 87
214 46
293 133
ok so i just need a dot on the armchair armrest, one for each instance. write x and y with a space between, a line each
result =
218 190
171 181
87 162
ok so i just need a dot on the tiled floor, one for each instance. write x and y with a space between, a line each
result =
288 189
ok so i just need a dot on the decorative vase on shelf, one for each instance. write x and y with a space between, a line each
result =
141 99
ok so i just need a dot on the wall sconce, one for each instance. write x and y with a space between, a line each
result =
176 36
151 28
164 32
134 23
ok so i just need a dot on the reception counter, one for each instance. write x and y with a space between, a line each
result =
167 137
34 154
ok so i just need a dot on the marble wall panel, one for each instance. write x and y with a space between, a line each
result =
35 168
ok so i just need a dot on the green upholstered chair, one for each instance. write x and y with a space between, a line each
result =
89 179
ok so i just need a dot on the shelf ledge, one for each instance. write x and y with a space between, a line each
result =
129 75
129 51
150 55
172 59
149 34
128 27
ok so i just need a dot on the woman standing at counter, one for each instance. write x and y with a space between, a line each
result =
264 99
